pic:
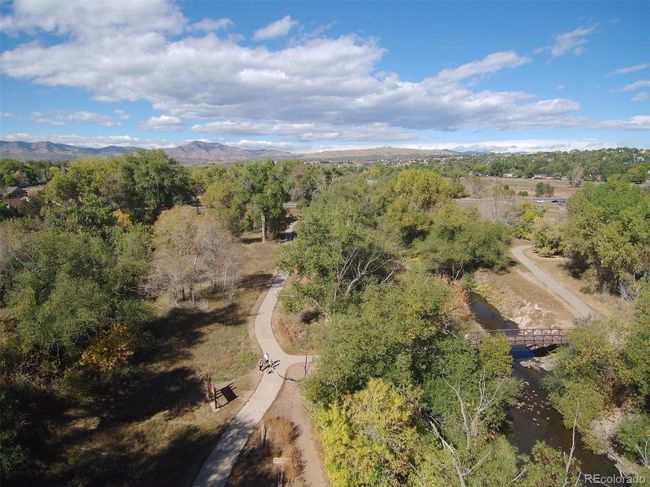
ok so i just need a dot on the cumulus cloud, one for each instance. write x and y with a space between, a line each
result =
162 123
279 28
207 25
629 69
83 19
641 96
62 117
569 42
244 90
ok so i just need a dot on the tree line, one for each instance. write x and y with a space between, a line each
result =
574 165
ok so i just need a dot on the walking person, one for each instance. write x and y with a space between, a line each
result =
269 362
260 364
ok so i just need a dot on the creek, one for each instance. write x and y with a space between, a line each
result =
533 418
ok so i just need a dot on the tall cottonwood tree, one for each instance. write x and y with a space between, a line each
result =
191 248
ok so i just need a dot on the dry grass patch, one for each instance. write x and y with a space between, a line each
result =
255 467
603 302
294 330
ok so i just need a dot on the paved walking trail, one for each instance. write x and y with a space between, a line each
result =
580 307
217 467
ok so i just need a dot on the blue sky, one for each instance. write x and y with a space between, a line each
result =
305 76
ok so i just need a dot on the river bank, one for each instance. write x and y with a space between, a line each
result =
533 418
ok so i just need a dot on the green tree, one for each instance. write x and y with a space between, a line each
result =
529 217
337 252
65 288
247 197
392 336
609 231
460 240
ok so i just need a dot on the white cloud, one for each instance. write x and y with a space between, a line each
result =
279 28
162 123
245 90
637 122
207 25
500 145
262 145
84 19
304 131
6 114
121 114
642 83
489 64
62 117
569 42
641 96
629 69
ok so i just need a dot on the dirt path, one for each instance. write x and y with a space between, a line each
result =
580 308
290 405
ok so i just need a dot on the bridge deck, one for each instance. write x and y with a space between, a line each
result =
541 337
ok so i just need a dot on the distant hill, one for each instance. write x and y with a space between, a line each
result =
35 151
200 152
375 152
192 153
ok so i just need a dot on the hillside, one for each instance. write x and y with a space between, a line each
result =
193 153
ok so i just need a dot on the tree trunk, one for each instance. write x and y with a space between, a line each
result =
263 227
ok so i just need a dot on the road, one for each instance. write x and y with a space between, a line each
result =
581 309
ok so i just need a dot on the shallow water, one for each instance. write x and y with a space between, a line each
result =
533 418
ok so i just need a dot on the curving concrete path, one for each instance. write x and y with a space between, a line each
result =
217 467
580 307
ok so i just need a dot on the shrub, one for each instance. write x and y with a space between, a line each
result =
548 241
633 437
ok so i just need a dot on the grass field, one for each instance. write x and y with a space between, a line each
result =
562 189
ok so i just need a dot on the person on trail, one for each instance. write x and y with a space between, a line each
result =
260 364
269 362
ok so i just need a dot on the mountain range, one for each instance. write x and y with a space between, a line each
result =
196 152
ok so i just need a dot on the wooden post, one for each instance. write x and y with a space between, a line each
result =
263 433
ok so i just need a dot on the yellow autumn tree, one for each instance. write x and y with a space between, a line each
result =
109 350
371 439
123 219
